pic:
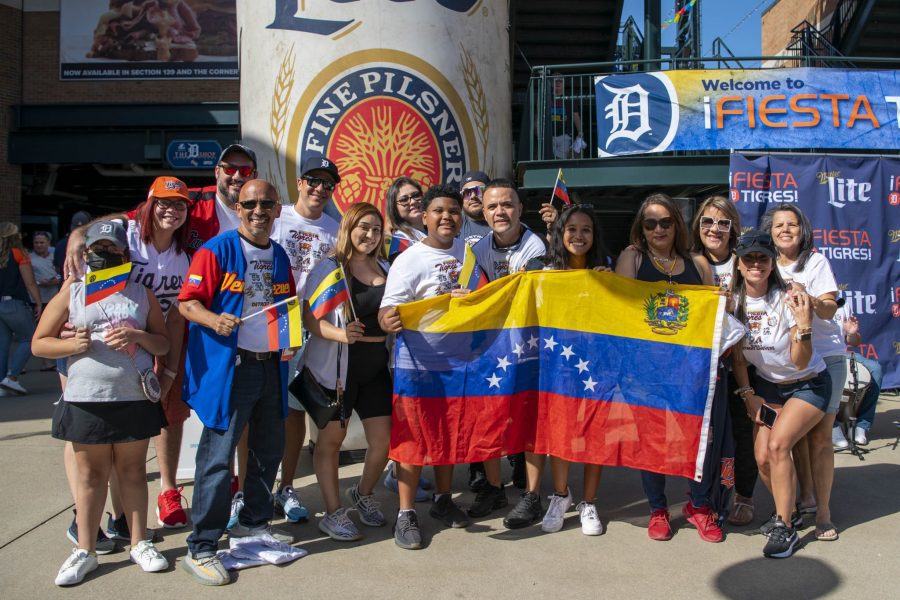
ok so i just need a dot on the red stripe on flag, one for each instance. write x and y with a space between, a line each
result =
105 292
272 327
328 305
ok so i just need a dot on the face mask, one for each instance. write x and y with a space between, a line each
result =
97 261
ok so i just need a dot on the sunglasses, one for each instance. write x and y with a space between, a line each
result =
406 200
231 170
762 239
315 182
754 259
266 204
176 205
651 224
475 190
720 224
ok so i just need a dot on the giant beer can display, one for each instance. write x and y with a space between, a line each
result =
383 88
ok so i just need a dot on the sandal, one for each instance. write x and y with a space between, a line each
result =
807 510
826 532
742 512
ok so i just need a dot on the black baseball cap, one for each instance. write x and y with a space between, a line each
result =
475 176
239 148
317 162
755 241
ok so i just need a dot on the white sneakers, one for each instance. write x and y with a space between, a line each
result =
13 386
838 440
590 520
860 437
76 567
556 512
148 557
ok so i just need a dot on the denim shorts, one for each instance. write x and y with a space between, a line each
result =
815 391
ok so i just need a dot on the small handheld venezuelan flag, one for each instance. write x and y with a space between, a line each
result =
331 292
106 282
471 276
560 190
394 244
284 322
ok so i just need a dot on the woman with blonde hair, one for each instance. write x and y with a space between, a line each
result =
347 346
16 316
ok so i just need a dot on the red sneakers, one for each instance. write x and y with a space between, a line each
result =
659 528
169 509
703 519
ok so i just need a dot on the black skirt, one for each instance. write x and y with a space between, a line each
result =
107 422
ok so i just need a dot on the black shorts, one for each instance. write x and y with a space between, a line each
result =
369 387
107 422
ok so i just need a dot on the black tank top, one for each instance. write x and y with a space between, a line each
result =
648 272
366 301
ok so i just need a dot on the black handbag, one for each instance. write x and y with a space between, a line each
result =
320 403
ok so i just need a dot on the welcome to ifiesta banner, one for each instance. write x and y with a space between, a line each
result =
853 204
384 89
747 109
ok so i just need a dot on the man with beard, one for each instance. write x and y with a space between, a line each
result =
232 379
474 226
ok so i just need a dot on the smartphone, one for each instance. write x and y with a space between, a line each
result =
767 415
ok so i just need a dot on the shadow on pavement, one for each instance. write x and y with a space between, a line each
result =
795 577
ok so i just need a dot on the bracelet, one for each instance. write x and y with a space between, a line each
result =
170 373
743 390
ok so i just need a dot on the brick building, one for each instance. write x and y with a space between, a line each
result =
67 145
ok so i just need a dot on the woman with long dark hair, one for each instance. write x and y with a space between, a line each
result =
660 251
16 315
790 392
403 206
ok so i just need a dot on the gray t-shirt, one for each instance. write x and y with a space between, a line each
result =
499 262
472 231
102 374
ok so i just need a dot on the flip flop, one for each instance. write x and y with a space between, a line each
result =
826 532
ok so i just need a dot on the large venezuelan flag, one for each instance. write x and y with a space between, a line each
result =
586 366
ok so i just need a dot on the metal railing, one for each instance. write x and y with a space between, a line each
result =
840 20
560 117
808 46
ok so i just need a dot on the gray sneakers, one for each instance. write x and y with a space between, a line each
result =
207 570
366 506
240 530
406 530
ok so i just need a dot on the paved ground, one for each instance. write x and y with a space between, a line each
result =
483 561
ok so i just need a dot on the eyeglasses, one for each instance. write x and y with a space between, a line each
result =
753 259
720 224
315 182
476 190
231 170
651 224
266 204
409 198
176 205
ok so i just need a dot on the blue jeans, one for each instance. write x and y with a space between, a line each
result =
655 490
16 321
866 414
255 399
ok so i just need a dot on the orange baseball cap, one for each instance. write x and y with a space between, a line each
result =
169 187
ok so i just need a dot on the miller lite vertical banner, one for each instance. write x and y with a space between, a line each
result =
853 204
382 88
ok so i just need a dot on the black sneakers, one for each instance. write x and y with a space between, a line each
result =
767 527
517 462
447 512
488 499
527 511
477 480
782 541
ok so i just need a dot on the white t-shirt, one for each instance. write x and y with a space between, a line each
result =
723 272
44 269
423 272
254 336
818 279
306 241
228 217
499 262
162 272
768 346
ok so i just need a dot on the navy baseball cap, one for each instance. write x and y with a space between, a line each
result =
475 176
756 241
317 162
239 148
80 218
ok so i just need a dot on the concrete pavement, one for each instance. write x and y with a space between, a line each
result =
483 561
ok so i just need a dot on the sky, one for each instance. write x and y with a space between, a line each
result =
718 18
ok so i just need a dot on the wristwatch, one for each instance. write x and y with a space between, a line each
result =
802 335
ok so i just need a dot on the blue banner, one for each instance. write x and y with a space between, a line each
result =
747 109
853 204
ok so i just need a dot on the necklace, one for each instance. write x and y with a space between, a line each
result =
660 264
